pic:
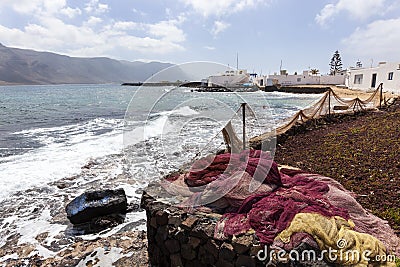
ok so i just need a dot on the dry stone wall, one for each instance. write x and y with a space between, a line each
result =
180 238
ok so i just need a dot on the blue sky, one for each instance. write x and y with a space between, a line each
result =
301 34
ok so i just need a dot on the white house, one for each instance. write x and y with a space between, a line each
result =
306 78
370 78
229 78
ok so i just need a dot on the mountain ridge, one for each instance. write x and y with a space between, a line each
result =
26 66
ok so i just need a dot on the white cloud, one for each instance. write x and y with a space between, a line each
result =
168 12
41 7
54 6
209 47
126 25
167 30
219 26
71 12
105 39
23 6
221 7
358 9
141 13
92 21
95 7
96 35
148 45
326 14
379 39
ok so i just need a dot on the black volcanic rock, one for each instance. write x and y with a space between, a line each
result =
96 204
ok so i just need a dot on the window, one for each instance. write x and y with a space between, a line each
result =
298 79
390 76
358 79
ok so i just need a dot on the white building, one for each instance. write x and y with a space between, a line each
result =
369 78
229 78
306 78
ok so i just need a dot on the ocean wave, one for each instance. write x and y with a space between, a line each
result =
181 111
97 123
65 150
278 95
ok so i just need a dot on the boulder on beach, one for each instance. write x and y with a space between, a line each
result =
94 204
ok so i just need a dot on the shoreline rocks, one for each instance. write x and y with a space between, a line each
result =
94 204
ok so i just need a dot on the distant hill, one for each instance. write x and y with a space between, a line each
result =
21 66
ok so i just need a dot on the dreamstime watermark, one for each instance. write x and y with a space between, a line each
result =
339 255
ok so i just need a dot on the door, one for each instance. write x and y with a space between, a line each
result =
373 82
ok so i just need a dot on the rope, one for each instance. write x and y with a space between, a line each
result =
322 108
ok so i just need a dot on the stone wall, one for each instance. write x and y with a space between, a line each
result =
178 238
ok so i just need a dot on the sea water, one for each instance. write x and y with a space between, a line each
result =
49 132
58 141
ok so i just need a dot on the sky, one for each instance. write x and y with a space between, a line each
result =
265 34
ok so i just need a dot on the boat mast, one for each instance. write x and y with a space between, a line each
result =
237 61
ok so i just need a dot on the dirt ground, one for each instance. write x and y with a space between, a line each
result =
361 152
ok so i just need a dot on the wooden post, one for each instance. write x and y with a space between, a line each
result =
329 102
244 124
380 95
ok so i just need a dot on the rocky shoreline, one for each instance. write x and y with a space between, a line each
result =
360 151
35 231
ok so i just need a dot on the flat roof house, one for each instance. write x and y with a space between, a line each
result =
306 78
367 79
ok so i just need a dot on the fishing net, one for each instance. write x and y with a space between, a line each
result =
330 103
243 128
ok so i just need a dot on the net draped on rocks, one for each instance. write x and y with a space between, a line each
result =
273 207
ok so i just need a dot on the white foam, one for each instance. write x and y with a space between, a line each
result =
13 256
146 131
155 128
30 229
131 217
57 160
103 257
277 95
159 126
97 123
149 129
182 111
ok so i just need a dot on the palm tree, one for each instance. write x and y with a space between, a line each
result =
314 71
